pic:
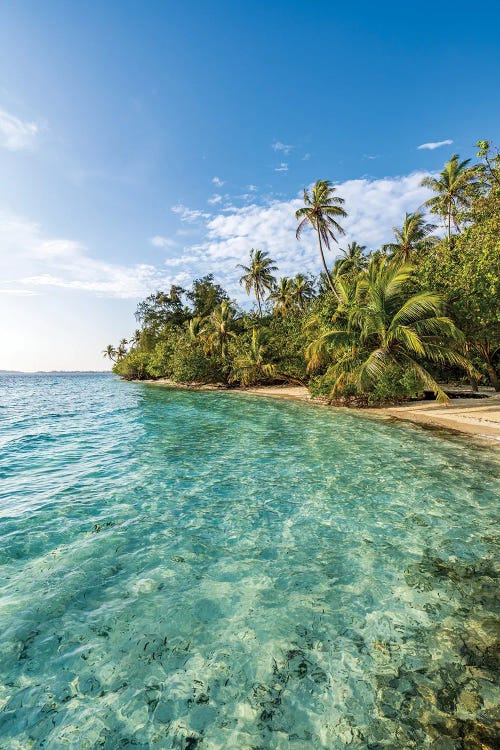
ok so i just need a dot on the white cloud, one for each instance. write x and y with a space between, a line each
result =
306 157
252 188
283 167
19 292
373 206
159 241
215 199
285 148
435 144
218 182
16 135
189 215
31 261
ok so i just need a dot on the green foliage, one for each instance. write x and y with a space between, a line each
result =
395 383
205 295
161 309
378 327
286 342
133 366
160 359
250 359
468 277
190 364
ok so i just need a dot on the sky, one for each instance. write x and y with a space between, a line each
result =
144 144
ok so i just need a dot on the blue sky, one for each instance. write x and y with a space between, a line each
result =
145 143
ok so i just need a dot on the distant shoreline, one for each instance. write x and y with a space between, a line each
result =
479 419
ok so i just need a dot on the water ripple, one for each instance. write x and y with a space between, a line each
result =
209 570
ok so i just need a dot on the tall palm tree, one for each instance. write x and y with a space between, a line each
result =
352 259
283 296
219 329
321 210
253 366
258 275
302 290
450 188
110 352
415 234
380 327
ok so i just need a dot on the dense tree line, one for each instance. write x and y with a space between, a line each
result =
382 324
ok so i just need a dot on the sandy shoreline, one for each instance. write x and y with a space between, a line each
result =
476 417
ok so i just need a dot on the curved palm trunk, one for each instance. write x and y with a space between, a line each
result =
327 272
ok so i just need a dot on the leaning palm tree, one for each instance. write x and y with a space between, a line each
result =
321 210
122 349
353 259
415 234
450 189
258 275
218 329
282 296
302 290
253 366
382 327
110 352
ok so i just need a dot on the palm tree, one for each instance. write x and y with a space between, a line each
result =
136 338
195 328
110 352
379 327
302 290
353 259
283 296
258 275
219 329
253 365
122 349
450 188
321 210
415 234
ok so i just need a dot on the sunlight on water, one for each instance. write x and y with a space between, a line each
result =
213 570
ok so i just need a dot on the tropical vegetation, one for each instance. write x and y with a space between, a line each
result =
377 324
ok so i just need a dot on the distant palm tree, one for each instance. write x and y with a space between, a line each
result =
450 188
136 338
219 329
253 366
415 234
258 275
321 209
110 352
302 290
122 349
283 296
379 326
353 259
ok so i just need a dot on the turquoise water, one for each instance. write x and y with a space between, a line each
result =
211 570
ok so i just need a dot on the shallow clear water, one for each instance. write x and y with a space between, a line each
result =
213 570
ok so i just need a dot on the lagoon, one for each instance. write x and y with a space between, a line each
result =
214 570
